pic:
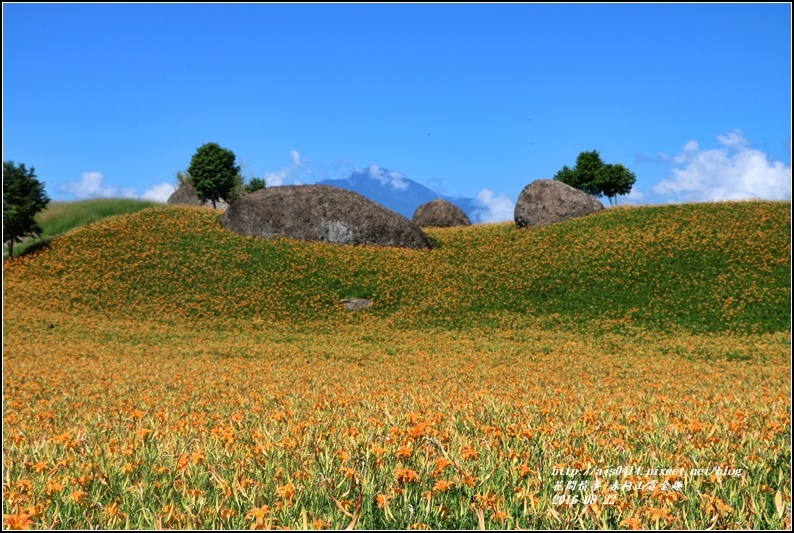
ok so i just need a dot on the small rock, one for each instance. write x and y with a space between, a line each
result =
439 213
356 304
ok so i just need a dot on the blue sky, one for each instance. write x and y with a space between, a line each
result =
474 100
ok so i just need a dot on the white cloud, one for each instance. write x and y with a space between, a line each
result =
276 179
159 193
287 175
90 186
493 207
733 172
733 140
634 197
393 179
397 182
438 186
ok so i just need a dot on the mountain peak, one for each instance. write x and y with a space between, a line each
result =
393 190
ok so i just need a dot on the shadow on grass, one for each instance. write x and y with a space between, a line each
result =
28 247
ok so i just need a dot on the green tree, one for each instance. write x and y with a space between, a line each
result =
614 180
23 198
183 178
214 173
592 176
584 174
255 184
567 176
238 190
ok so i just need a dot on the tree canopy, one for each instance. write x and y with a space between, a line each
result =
593 176
255 184
214 173
23 198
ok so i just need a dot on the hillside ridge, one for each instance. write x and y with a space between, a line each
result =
698 267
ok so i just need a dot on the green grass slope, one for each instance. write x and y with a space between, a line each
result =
60 217
718 267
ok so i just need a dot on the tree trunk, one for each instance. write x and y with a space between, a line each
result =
10 245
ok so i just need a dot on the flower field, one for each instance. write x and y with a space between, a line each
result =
627 370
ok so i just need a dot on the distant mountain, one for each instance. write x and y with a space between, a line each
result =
395 191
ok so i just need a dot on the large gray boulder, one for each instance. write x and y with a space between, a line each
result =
549 201
439 213
321 213
186 195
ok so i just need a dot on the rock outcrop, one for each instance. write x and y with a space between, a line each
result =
549 201
321 213
186 195
356 304
439 213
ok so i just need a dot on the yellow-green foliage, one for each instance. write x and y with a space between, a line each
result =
162 372
705 268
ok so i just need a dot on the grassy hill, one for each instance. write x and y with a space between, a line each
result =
59 217
162 371
700 267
